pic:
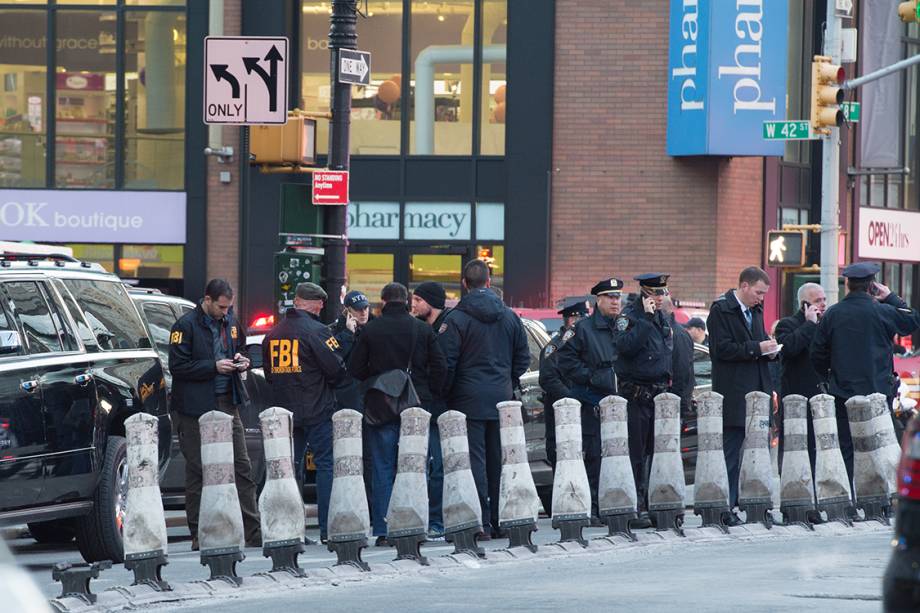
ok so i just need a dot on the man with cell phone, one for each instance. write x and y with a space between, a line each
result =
853 344
796 333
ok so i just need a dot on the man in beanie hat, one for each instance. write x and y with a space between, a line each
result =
428 304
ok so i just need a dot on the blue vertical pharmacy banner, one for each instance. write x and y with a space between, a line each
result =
726 76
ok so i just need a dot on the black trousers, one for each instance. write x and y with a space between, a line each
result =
190 445
732 442
640 422
549 422
844 436
486 465
591 448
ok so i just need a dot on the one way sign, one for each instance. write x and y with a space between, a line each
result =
245 80
354 67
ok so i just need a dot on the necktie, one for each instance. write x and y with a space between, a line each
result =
748 318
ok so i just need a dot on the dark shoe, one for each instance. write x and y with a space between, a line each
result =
254 543
485 536
435 535
596 522
729 518
642 522
382 542
499 534
308 541
194 544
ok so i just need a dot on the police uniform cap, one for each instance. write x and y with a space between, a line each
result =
310 291
607 286
861 270
652 279
356 300
573 305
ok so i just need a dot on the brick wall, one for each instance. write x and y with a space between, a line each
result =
620 205
223 228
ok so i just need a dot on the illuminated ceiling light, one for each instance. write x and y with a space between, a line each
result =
175 34
370 13
440 16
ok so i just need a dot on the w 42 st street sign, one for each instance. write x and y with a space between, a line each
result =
787 130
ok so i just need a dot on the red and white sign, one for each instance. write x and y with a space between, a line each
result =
330 187
889 234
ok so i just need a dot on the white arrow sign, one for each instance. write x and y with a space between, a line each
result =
354 67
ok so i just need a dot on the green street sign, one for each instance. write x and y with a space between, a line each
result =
851 110
786 130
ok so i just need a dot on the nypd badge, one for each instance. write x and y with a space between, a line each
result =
442 329
568 334
548 351
622 324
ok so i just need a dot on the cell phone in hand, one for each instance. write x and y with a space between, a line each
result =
874 290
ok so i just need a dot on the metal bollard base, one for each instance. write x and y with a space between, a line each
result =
75 578
284 556
570 529
876 508
668 519
409 547
466 541
838 510
148 570
803 515
521 535
349 552
222 563
713 517
758 513
619 525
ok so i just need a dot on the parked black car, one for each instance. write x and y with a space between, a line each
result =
901 582
75 362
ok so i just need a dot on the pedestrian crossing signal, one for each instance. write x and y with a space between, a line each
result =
786 248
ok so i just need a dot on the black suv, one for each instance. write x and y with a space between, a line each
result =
76 360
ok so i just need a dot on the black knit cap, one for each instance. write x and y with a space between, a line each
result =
432 293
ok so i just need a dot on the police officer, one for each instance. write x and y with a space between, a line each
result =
587 361
853 344
645 343
302 367
554 385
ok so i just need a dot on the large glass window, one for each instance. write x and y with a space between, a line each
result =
85 100
110 313
23 103
155 100
494 77
28 304
442 77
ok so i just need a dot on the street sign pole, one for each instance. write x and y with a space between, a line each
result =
342 35
830 174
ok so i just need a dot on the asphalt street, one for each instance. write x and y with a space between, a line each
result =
835 568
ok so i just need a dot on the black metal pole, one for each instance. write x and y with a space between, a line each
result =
342 35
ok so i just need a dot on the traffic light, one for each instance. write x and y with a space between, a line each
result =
826 94
786 248
290 143
909 11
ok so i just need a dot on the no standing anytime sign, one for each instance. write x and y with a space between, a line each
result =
330 187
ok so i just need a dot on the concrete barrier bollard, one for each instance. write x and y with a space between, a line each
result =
710 488
144 530
890 447
518 503
869 466
832 486
571 490
616 496
755 487
349 521
666 485
220 525
280 504
461 509
797 491
407 515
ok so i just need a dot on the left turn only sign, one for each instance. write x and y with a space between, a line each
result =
245 80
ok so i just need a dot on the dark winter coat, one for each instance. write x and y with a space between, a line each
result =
737 365
193 365
386 344
799 376
486 349
683 378
304 387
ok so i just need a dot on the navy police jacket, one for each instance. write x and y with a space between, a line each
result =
645 343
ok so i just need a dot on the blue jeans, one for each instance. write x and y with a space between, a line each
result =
383 443
435 480
319 437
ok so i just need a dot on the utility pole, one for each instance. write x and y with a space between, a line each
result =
342 35
830 174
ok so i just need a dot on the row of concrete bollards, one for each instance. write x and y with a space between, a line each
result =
802 497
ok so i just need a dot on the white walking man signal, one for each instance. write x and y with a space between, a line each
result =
778 249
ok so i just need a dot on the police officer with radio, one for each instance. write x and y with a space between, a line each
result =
587 361
553 384
645 343
302 366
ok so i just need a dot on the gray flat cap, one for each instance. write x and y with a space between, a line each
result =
310 291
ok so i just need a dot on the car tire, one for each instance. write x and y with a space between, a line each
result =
99 533
546 498
53 532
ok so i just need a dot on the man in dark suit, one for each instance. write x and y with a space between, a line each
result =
739 347
795 334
